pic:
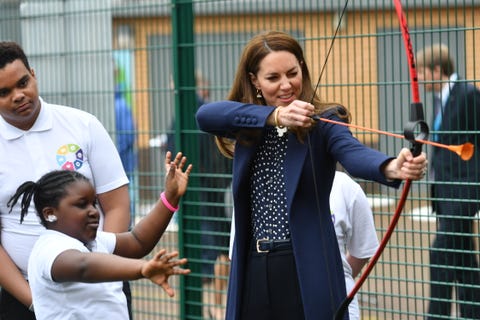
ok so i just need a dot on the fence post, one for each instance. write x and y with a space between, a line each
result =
186 138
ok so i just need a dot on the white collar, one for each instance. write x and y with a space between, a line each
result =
447 87
43 122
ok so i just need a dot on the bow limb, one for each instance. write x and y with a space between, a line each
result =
416 123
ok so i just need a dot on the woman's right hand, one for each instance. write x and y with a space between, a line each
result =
296 114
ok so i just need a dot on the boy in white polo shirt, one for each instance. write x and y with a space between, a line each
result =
39 137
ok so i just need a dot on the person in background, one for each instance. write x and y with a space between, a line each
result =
456 189
286 263
72 262
46 137
355 229
125 139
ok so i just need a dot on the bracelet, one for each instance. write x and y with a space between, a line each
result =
166 203
276 118
31 308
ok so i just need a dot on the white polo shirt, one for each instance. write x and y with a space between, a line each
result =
61 138
72 300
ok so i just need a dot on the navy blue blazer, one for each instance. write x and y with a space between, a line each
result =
460 123
315 246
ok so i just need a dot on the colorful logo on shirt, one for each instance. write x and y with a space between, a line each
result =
70 157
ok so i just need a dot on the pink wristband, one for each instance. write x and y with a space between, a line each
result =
166 203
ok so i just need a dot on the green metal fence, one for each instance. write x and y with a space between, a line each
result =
165 54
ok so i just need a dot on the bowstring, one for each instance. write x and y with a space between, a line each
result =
315 185
329 50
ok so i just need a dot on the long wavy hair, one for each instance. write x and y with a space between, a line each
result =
244 91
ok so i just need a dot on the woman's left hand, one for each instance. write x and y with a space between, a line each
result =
406 166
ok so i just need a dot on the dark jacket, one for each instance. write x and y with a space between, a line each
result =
460 124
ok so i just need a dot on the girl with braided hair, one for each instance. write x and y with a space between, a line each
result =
76 271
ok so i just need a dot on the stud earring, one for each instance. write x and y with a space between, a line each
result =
51 218
259 94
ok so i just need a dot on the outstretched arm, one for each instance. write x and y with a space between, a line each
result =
91 267
147 232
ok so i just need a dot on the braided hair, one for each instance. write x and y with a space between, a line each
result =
48 191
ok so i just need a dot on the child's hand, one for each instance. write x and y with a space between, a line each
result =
176 180
161 267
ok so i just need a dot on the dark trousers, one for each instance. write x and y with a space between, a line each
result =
12 309
128 294
453 262
271 290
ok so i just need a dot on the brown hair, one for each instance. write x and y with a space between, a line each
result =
435 55
244 91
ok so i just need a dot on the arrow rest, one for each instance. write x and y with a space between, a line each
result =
416 128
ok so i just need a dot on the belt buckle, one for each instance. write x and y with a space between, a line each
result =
258 246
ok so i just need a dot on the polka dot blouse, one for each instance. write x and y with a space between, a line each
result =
268 198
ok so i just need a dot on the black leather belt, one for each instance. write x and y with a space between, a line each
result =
267 245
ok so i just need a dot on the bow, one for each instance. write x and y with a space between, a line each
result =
416 123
